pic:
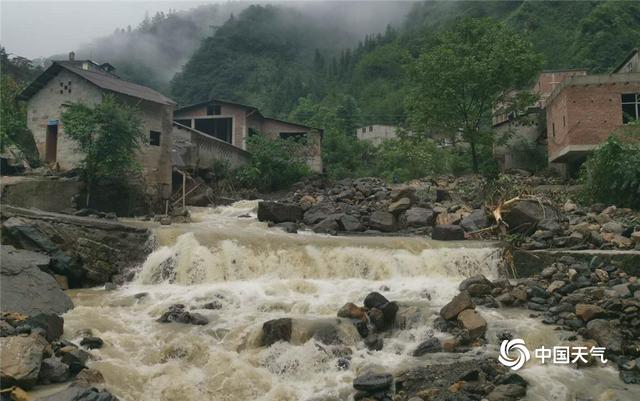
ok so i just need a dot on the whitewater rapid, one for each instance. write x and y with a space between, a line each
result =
258 273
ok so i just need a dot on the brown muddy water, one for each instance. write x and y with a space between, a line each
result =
259 274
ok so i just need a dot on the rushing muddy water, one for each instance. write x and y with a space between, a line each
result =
258 274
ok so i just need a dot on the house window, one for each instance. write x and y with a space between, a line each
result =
370 128
553 129
154 138
364 130
213 110
630 107
564 121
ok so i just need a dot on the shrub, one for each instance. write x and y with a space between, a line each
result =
611 174
275 163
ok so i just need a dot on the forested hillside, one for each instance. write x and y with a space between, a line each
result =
272 56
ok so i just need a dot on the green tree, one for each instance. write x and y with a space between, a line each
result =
108 135
275 163
611 174
470 68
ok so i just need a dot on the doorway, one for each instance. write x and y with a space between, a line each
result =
51 149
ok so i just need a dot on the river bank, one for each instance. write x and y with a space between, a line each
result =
191 323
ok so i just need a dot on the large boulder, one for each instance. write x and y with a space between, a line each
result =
607 334
525 215
20 362
419 217
459 303
400 205
279 212
81 393
349 223
473 323
447 232
276 330
26 289
476 220
383 221
317 213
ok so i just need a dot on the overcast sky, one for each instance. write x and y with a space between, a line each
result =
42 28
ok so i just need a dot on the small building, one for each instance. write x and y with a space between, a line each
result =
582 111
87 82
377 133
216 124
521 137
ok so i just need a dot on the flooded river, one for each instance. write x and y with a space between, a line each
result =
256 274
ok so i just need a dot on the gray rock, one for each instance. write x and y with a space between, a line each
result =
20 362
525 215
317 213
276 330
80 393
26 289
507 392
279 212
371 382
607 334
383 221
429 346
477 279
459 303
349 223
476 220
447 232
473 323
53 370
51 324
289 226
6 330
419 217
400 205
622 290
402 191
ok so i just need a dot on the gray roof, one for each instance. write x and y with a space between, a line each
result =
100 78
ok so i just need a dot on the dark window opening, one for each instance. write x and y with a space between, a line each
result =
61 91
294 135
553 129
186 122
370 128
61 83
216 127
630 107
154 138
214 110
564 121
364 130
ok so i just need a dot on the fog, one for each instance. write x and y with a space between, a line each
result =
112 31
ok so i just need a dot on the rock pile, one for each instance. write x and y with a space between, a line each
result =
600 302
377 315
369 205
33 353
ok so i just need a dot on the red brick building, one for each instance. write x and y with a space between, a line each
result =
583 110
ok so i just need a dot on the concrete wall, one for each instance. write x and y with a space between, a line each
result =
202 151
510 155
52 195
47 104
585 111
376 134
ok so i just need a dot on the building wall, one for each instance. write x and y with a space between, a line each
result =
376 134
549 80
584 116
202 151
47 104
523 137
237 113
273 128
632 65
